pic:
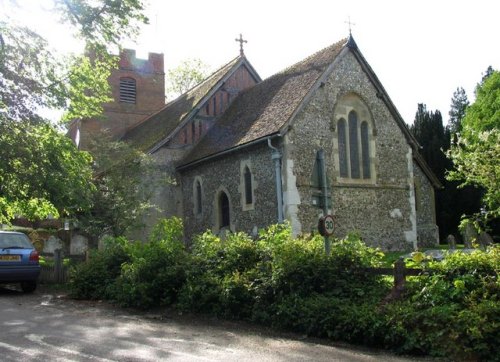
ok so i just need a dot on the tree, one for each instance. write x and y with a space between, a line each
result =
185 76
429 131
120 196
459 104
41 172
476 153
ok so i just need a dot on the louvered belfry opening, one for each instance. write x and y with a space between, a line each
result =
128 90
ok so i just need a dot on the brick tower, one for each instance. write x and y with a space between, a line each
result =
138 90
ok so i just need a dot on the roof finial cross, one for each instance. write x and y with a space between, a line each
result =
241 41
350 24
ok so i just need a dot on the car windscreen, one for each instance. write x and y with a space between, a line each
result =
15 241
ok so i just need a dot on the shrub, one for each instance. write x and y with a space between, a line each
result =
156 270
93 279
453 312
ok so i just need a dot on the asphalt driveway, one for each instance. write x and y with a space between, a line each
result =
46 326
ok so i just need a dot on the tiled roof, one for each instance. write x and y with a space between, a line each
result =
266 107
161 124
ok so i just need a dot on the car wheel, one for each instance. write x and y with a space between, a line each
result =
28 287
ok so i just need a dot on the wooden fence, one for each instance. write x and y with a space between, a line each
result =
55 271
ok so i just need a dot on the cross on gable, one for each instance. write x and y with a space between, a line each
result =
350 24
241 41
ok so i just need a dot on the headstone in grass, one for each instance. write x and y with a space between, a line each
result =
51 244
452 242
79 245
469 235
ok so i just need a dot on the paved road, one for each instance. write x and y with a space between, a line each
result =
46 327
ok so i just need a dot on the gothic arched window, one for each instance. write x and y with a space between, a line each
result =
128 90
355 146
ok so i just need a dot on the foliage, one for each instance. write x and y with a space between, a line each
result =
135 274
120 198
41 172
451 202
94 279
453 312
476 153
154 274
459 104
185 76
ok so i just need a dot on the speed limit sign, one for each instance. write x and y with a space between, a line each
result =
325 225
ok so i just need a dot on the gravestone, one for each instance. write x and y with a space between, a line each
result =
484 240
79 245
51 244
452 243
469 235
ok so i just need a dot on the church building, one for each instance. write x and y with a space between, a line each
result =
241 153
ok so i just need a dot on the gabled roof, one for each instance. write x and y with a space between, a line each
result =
269 107
157 129
264 109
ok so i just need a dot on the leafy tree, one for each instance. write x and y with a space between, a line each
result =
185 76
476 153
459 104
41 171
120 197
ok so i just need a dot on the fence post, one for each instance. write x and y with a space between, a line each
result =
58 265
399 274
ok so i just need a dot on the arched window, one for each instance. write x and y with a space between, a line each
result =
353 144
248 186
197 198
342 148
224 210
365 150
128 90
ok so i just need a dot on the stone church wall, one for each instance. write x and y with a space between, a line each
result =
225 174
380 207
428 233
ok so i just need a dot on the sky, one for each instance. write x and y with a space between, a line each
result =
420 50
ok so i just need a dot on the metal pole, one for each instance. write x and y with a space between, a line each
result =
324 193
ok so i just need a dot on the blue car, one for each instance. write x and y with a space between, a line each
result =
18 260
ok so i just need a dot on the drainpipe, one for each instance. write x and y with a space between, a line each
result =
276 157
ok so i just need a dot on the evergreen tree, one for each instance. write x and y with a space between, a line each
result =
459 104
451 202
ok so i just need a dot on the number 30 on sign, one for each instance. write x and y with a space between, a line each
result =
325 225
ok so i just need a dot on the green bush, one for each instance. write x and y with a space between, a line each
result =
156 270
93 279
453 312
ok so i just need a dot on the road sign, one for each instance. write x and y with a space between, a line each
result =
325 225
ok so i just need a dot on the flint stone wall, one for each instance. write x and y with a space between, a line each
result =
226 174
381 209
